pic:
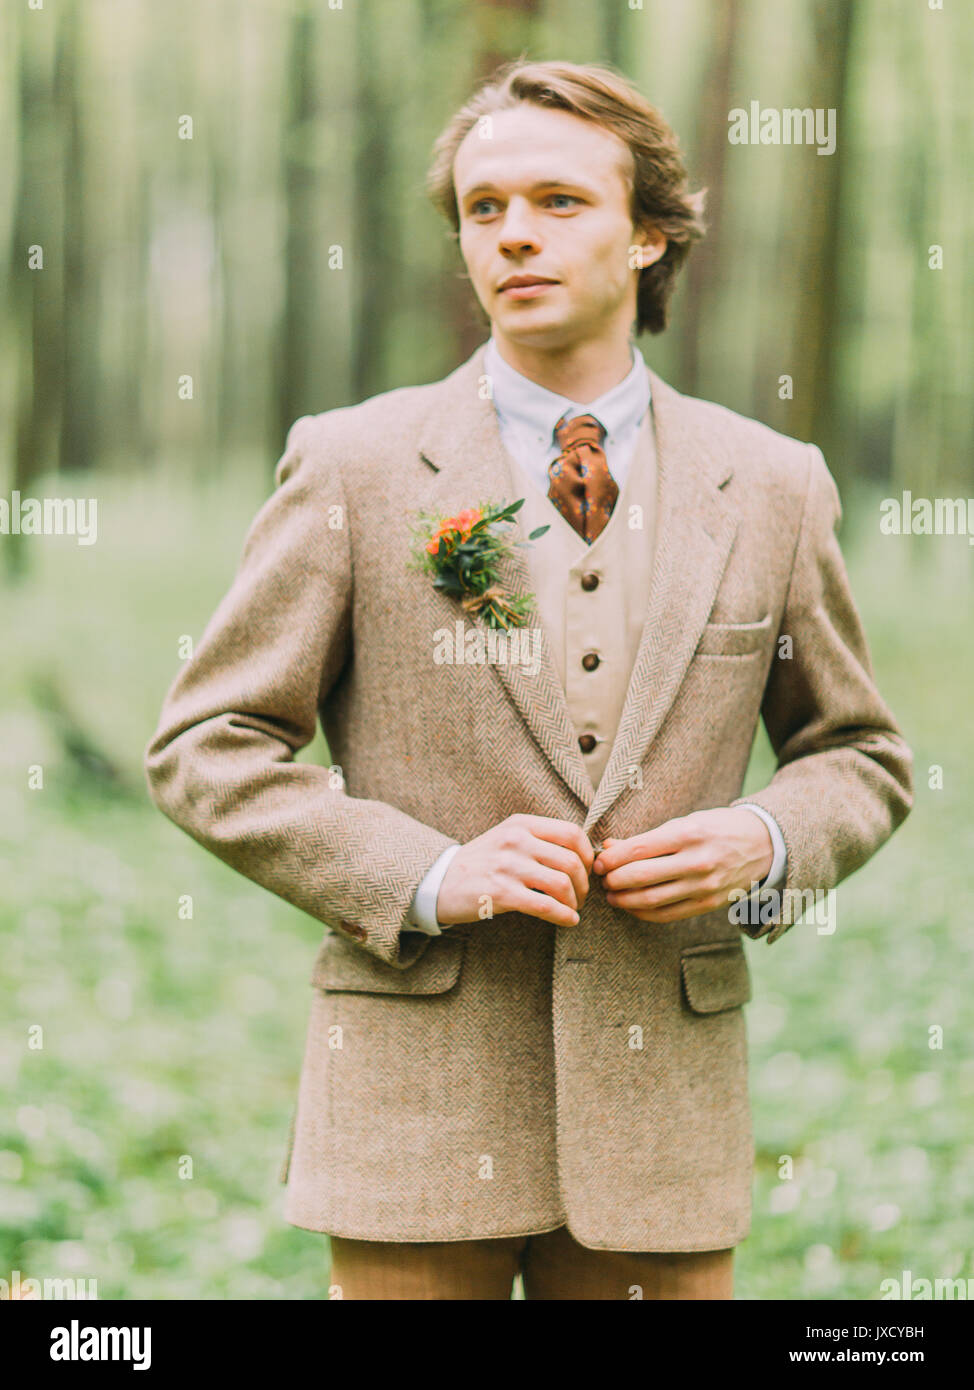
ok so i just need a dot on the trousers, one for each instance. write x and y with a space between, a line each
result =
551 1265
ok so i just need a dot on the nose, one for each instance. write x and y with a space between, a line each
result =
518 232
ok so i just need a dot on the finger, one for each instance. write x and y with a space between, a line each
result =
648 873
548 909
662 895
664 901
674 912
554 883
564 833
610 840
565 860
669 838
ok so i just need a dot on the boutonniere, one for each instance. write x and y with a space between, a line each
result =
462 553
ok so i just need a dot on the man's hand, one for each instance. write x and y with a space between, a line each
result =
686 866
532 864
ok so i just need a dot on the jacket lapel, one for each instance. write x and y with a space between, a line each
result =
695 532
462 437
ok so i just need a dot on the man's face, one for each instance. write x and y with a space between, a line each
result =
546 195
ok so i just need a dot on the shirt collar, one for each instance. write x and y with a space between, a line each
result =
533 408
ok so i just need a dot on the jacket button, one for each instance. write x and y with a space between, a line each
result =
590 660
586 742
590 581
354 929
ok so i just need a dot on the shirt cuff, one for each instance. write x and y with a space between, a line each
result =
776 873
422 911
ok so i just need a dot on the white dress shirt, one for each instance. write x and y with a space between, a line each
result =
527 414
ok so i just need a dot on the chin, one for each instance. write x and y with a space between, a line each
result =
549 335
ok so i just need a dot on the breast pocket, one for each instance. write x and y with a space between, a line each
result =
340 966
734 639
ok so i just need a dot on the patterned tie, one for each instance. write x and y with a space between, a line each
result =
582 488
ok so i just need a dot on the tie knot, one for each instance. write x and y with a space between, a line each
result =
583 429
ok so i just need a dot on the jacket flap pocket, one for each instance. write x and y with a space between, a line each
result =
715 976
734 639
341 966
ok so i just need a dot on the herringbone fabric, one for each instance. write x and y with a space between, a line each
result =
508 1077
581 487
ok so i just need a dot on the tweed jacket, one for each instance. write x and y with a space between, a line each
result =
508 1076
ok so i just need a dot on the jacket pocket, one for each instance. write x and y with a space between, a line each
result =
734 639
340 966
715 976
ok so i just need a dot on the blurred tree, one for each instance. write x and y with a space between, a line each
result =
702 279
376 227
816 207
79 358
36 295
614 35
313 130
300 327
922 415
504 29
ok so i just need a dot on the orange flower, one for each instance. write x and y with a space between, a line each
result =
462 524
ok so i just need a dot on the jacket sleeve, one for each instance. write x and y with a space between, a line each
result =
844 778
221 763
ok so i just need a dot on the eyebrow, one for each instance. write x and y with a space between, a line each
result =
535 187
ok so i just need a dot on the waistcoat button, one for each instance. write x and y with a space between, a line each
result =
590 660
586 742
590 581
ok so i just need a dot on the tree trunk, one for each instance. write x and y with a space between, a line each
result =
819 205
36 296
503 29
299 325
701 274
79 348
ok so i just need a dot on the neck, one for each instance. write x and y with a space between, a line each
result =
580 371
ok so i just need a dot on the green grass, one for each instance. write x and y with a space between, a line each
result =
167 1039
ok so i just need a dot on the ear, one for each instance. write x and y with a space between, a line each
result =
651 245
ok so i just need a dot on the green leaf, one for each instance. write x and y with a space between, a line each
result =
505 512
448 583
539 532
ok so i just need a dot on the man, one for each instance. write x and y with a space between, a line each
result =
527 1048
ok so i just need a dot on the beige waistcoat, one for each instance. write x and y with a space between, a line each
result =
607 620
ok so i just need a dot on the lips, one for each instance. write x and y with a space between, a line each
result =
524 281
